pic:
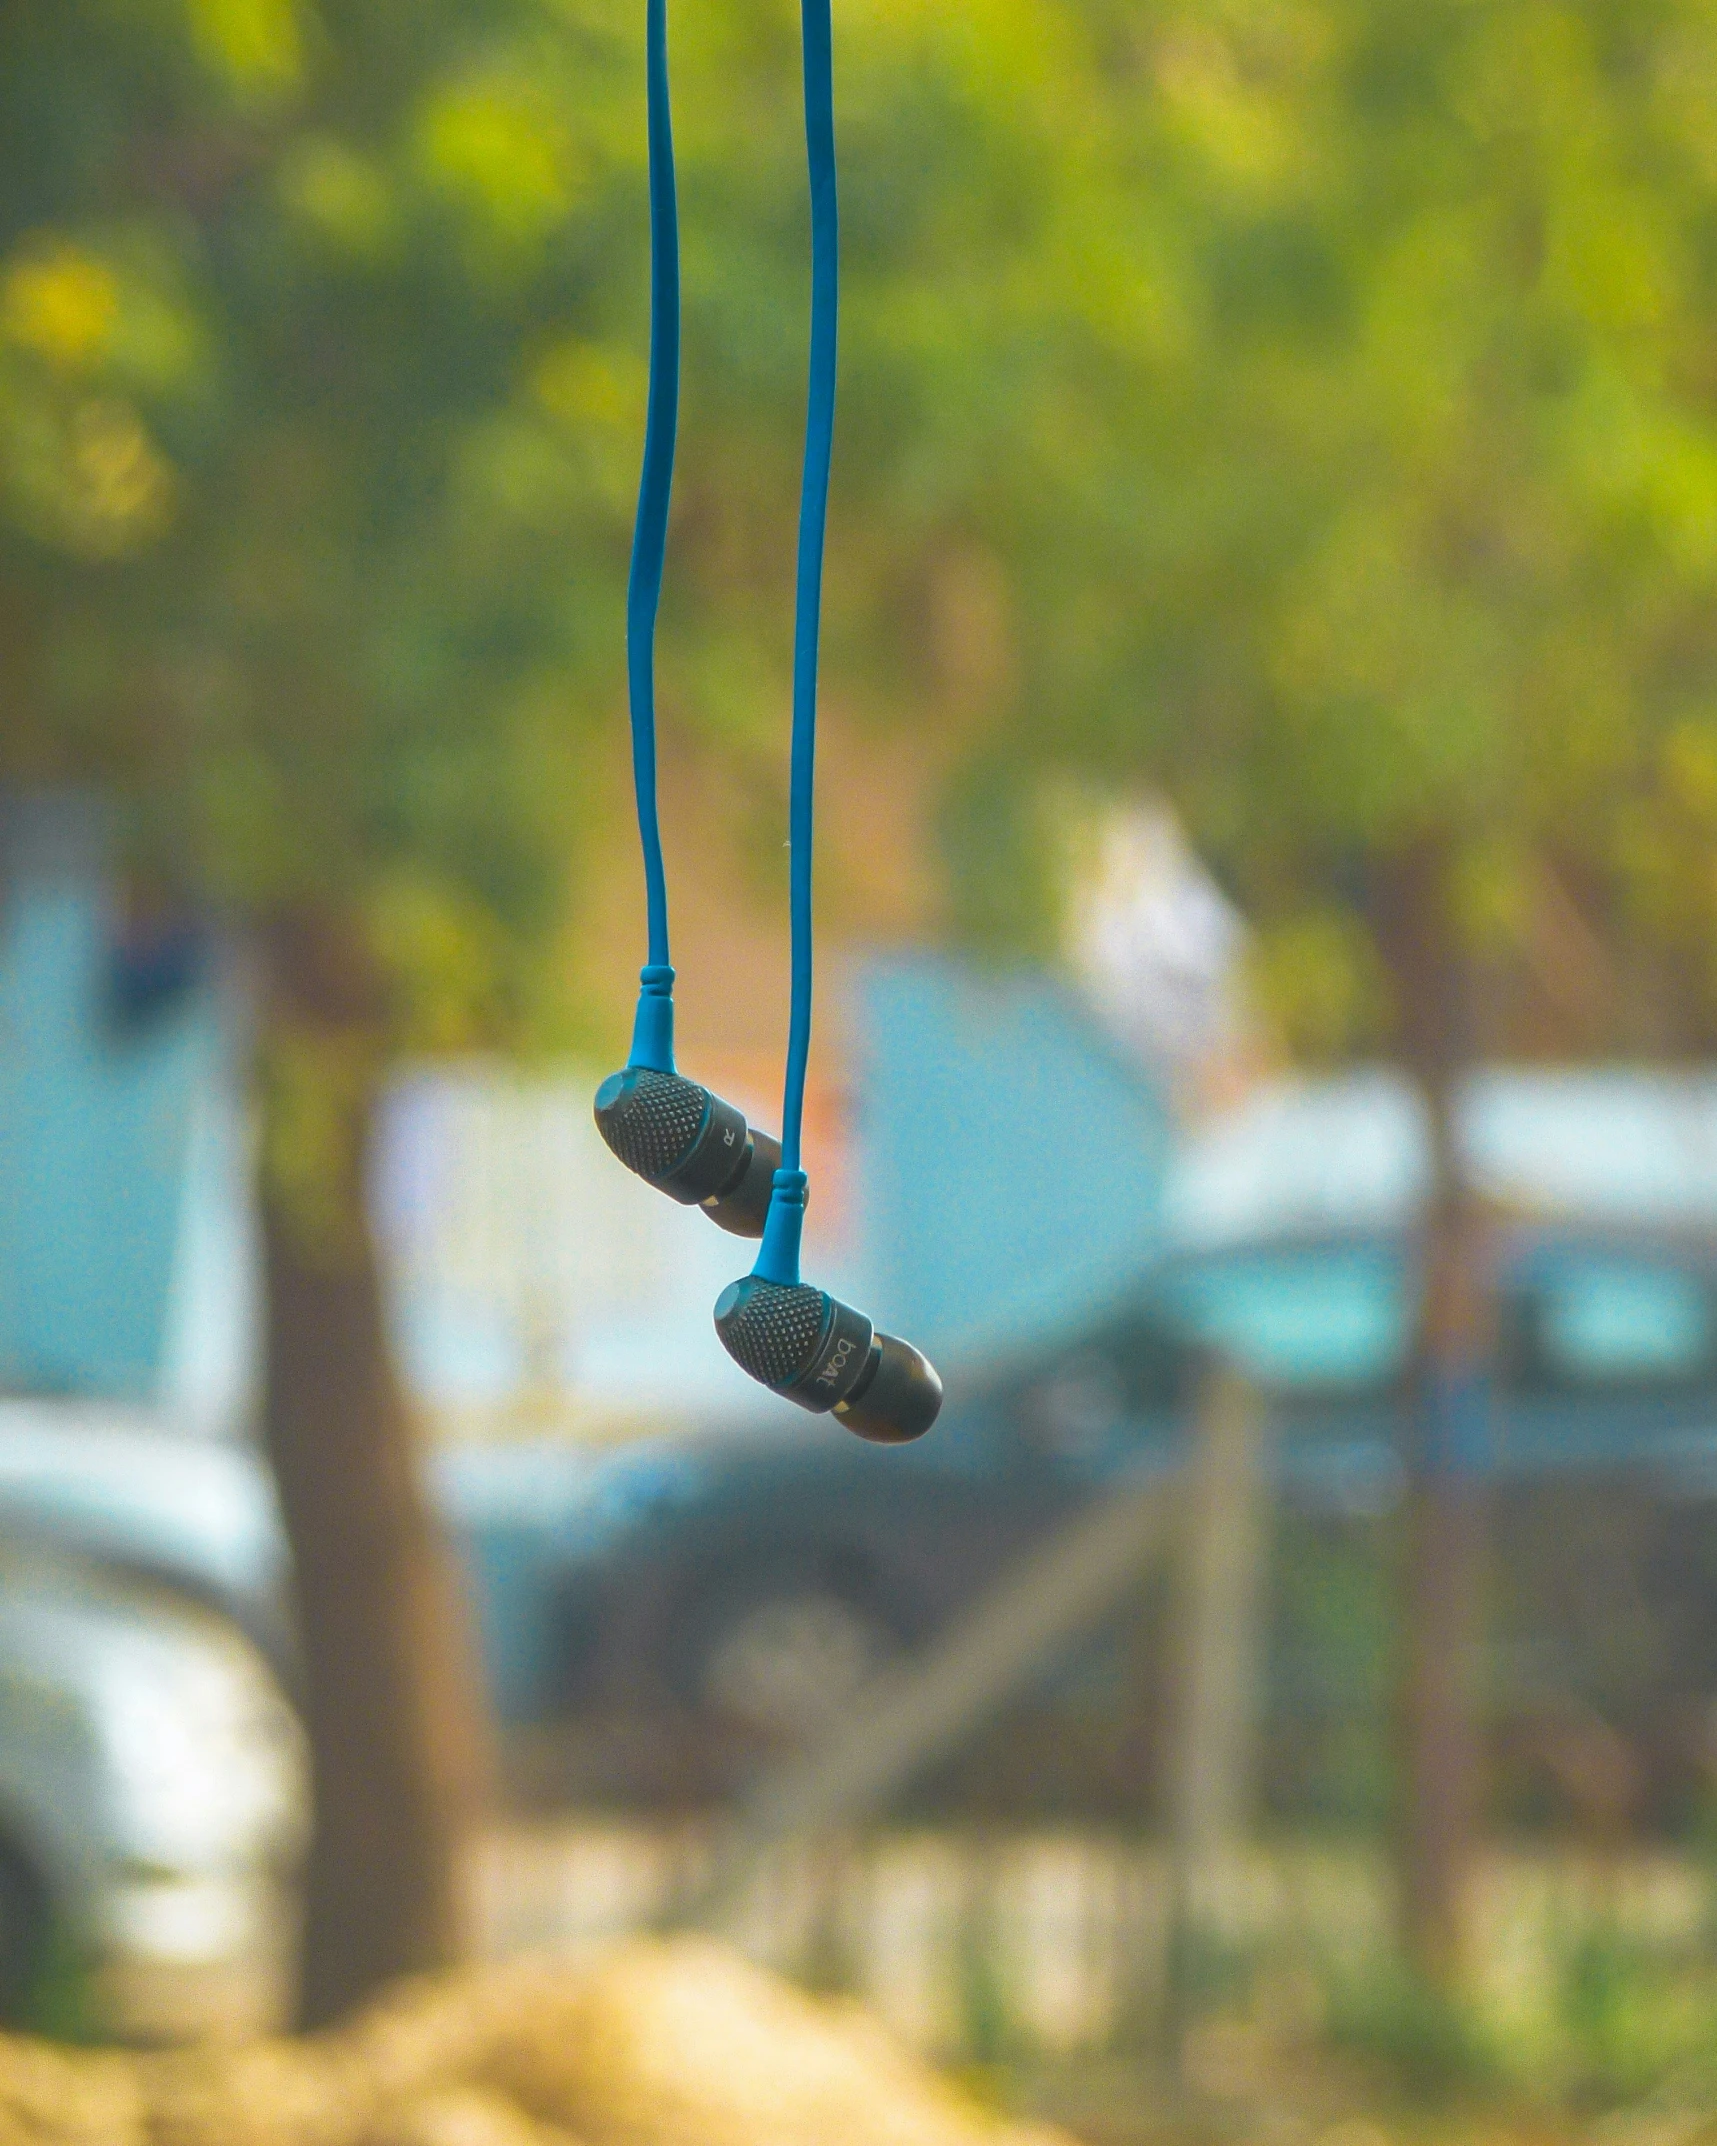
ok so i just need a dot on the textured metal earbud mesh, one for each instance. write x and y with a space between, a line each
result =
773 1332
654 1123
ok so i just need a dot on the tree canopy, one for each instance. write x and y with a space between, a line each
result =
1321 392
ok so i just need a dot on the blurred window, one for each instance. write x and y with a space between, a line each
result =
1323 1319
1612 1323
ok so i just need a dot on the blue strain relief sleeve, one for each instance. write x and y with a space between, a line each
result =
653 1025
783 1226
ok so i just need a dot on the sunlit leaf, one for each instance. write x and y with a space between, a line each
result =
256 44
60 303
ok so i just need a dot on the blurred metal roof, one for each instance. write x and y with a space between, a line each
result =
1013 1162
1620 1147
1290 1218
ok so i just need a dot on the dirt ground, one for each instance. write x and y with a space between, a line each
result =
684 2043
680 2043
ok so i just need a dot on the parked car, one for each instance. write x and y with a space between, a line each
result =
755 1577
152 1806
730 1587
193 1514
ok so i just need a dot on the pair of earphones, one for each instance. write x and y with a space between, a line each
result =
786 1333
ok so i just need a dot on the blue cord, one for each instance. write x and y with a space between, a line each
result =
652 1040
653 1033
778 1259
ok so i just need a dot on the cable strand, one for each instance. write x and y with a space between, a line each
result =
650 529
813 516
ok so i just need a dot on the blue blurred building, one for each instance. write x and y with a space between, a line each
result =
125 1273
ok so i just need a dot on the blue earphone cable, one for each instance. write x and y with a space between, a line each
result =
653 1036
652 1039
778 1258
813 515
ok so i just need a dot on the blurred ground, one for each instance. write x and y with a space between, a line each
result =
1128 2104
1028 1970
683 2043
659 2045
1036 1966
973 1942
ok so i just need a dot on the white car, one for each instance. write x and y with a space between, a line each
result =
153 1808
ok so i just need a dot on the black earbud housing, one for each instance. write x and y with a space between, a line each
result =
897 1396
691 1145
812 1349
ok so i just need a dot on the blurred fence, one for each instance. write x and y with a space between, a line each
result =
973 1944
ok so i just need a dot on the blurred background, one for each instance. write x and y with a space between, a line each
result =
1267 1035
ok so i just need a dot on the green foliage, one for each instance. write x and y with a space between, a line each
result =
1315 977
1328 384
1624 2022
64 1998
1001 841
1628 2016
1334 1638
1429 2044
987 2028
316 404
1360 486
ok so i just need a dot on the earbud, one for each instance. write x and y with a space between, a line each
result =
806 1345
689 1144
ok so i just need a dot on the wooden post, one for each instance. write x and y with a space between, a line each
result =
1219 1629
1450 1432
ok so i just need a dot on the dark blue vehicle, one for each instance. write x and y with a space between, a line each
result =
737 1587
687 1602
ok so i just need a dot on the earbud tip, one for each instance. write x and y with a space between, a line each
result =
742 1209
898 1398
